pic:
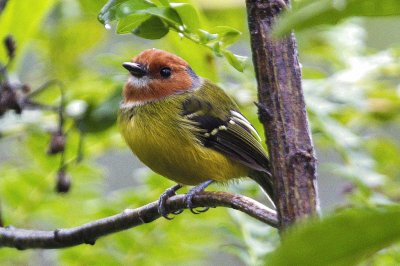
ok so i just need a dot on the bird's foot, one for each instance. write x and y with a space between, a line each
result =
197 189
162 210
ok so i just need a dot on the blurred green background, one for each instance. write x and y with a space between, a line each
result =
351 74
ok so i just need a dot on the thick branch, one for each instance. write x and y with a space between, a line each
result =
88 233
283 114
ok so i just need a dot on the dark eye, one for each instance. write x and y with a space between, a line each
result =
165 72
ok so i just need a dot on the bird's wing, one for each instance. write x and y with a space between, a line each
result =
227 131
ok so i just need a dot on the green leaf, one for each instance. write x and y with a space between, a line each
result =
205 36
22 21
164 2
187 14
342 239
129 23
226 35
102 116
307 14
117 9
217 48
153 28
165 13
236 61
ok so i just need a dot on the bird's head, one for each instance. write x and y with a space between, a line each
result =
155 74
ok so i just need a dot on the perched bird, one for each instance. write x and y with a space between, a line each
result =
186 128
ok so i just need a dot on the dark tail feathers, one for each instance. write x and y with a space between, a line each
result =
264 179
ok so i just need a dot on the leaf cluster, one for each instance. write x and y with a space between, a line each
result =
152 20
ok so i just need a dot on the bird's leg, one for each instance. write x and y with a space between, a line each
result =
163 200
197 189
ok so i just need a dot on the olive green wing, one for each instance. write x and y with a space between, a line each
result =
223 128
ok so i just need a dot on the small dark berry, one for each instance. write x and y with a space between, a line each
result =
57 143
63 182
26 88
10 45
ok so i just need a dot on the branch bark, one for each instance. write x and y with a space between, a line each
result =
88 233
283 114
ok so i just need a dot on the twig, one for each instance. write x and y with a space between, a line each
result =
29 104
88 233
3 4
46 85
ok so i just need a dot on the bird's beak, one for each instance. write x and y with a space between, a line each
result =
135 69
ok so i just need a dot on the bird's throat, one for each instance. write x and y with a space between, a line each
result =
140 92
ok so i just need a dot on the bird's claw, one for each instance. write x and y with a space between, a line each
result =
192 193
162 210
177 212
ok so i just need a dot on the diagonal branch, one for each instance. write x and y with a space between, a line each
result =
88 233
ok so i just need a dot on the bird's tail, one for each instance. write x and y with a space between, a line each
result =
264 179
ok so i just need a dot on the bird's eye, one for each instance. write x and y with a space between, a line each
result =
165 72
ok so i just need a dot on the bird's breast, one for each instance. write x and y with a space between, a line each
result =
157 137
169 147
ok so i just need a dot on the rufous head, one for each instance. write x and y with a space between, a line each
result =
155 74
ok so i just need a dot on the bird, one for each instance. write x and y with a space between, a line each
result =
186 128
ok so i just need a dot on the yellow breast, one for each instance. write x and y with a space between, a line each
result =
169 147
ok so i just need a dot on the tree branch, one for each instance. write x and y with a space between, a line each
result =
88 233
283 113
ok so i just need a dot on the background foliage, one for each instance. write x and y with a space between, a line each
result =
351 76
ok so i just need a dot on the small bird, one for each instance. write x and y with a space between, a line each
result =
186 128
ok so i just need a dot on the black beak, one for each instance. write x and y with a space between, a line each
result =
135 69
